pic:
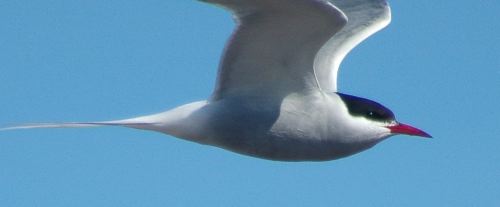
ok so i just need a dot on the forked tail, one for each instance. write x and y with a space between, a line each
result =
132 123
184 121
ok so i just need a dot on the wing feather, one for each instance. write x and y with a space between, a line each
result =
365 17
273 48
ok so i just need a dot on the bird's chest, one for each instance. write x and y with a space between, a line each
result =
290 130
315 117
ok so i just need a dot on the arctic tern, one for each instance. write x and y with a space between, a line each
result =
276 92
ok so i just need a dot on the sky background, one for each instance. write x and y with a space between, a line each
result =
437 66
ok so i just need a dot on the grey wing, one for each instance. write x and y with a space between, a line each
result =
273 48
365 17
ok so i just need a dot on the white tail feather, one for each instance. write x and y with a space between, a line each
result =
124 123
181 121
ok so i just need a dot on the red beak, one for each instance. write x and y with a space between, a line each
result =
408 130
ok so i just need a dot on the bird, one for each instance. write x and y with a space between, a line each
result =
275 95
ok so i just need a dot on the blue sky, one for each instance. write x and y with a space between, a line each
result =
437 66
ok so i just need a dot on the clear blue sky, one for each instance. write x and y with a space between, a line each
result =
437 66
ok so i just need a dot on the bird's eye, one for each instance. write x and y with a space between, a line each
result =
366 108
374 115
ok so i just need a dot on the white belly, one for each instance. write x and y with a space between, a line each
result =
289 130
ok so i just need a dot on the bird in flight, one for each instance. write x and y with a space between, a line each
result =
276 92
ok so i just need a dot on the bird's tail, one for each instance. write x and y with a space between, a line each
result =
180 121
138 123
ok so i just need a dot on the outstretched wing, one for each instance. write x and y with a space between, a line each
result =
273 48
365 17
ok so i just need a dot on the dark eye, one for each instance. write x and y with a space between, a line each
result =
366 108
375 115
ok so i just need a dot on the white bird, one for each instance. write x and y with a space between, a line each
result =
276 96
